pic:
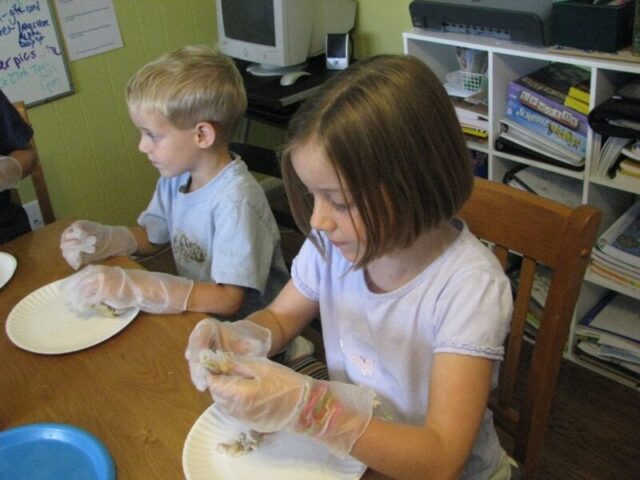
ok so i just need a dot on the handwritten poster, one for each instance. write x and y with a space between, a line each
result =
89 27
32 65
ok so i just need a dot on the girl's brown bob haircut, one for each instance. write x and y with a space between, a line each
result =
390 130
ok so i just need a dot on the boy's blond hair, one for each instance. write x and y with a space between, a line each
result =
190 85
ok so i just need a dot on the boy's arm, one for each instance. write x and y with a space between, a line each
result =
144 247
216 299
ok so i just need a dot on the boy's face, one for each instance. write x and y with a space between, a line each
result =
170 150
332 214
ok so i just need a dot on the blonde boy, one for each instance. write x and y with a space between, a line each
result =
207 205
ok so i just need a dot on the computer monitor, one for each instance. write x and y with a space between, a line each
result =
279 36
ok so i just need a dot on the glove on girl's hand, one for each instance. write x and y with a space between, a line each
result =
240 338
10 173
85 241
268 397
152 292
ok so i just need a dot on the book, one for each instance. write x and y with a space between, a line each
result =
473 118
581 91
504 144
546 184
559 112
555 81
622 239
570 140
523 136
614 321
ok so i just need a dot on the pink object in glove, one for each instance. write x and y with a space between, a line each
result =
269 397
85 241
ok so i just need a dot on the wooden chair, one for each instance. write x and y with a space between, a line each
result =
37 177
545 232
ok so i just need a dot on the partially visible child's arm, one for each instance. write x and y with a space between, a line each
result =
286 317
439 449
216 299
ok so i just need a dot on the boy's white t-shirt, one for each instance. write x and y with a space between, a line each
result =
461 303
223 232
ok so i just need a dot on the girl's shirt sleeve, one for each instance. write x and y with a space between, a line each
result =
306 271
473 314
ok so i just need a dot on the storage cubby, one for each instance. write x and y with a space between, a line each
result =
508 61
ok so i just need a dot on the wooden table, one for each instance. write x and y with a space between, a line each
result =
132 391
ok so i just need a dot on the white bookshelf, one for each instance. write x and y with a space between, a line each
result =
508 61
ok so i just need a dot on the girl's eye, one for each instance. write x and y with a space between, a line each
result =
341 207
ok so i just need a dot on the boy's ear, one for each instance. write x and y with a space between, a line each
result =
205 134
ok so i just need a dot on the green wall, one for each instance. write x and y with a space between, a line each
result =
87 144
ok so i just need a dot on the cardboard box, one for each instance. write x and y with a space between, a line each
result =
581 24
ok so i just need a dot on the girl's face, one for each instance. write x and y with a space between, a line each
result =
333 211
170 150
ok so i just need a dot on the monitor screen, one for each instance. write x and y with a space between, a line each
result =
249 21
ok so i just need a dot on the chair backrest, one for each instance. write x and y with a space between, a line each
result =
37 176
539 231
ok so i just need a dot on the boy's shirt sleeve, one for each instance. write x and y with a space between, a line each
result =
244 245
154 218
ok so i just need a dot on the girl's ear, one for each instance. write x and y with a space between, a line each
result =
205 134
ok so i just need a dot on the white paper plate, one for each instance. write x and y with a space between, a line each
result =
42 323
280 456
8 265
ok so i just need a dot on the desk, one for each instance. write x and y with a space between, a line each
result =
271 103
132 391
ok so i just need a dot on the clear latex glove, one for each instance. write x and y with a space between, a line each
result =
240 338
269 397
116 287
10 173
85 241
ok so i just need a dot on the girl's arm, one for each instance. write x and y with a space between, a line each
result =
458 396
286 317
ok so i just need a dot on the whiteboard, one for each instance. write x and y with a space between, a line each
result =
32 64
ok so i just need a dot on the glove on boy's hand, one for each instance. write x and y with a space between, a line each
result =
85 241
240 338
152 292
268 397
10 173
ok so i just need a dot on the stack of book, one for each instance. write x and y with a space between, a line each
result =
473 118
546 116
616 255
546 184
609 336
619 158
539 292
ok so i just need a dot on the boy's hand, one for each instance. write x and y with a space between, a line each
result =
116 287
240 338
10 173
85 241
268 397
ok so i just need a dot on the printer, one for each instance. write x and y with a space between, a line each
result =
524 21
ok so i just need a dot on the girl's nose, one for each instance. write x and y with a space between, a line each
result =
320 217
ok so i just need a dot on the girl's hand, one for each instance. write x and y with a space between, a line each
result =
240 338
269 397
